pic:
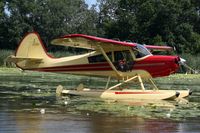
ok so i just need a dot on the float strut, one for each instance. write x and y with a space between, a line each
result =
108 81
141 83
155 87
119 84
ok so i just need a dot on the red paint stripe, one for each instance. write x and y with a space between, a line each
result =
78 69
125 92
149 64
92 67
78 66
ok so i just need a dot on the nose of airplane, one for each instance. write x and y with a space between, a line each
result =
175 66
177 60
172 63
159 65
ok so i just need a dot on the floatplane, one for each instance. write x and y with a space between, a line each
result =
125 61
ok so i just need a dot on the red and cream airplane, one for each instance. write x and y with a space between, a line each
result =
124 61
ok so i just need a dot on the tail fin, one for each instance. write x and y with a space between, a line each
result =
30 53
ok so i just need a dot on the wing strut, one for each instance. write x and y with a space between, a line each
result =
108 60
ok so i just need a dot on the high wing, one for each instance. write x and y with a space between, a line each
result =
92 43
158 48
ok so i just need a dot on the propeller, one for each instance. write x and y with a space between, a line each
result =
183 62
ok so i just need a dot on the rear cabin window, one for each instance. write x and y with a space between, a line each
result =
123 60
120 55
99 58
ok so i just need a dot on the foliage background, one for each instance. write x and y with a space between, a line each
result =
159 22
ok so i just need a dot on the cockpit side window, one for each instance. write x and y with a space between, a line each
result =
123 60
140 51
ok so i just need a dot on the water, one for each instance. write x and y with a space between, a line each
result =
20 122
23 95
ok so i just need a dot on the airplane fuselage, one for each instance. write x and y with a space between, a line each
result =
115 59
149 66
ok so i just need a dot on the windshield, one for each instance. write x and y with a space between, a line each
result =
141 51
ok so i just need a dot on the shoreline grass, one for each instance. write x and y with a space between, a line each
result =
177 75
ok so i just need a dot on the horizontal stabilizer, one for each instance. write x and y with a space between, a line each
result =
17 59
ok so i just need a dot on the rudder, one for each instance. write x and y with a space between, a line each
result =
31 47
30 53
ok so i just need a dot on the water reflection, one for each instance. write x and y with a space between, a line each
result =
26 122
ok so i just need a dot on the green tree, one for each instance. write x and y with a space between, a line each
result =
196 5
106 16
176 22
157 40
3 25
169 22
51 18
